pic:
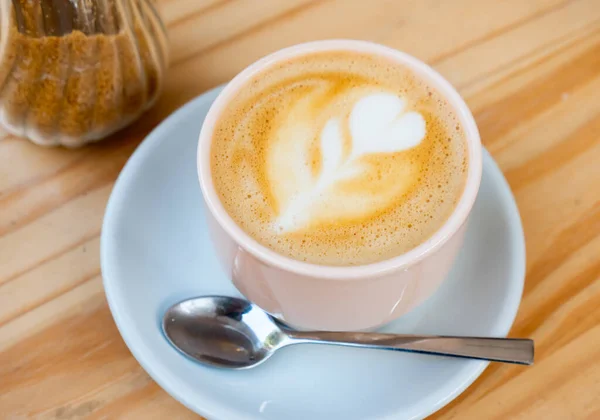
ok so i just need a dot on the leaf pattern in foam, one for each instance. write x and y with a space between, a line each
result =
377 124
286 163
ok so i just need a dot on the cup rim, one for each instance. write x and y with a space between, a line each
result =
402 261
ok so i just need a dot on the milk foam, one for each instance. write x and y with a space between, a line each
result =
377 124
338 158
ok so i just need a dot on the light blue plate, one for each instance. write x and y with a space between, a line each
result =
156 251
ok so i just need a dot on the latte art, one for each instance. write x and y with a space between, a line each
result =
338 158
377 123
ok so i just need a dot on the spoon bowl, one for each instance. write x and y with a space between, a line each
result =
233 333
222 331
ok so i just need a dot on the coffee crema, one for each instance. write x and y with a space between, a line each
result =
338 158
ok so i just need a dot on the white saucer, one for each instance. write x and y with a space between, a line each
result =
155 252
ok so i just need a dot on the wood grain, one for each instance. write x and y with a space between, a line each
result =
529 70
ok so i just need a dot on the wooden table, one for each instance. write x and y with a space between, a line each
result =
529 70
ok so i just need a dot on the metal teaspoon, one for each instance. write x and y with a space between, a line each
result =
233 333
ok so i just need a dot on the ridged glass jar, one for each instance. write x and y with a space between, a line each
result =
75 71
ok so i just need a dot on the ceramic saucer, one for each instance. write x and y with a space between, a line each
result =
156 251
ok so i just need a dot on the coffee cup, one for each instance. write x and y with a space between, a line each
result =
304 263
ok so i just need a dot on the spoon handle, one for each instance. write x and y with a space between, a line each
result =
507 350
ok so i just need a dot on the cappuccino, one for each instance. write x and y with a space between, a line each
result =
339 158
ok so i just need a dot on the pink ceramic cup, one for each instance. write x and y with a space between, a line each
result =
310 296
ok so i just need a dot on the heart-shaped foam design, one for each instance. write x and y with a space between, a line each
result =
377 125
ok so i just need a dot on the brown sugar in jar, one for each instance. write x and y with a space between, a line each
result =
72 72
